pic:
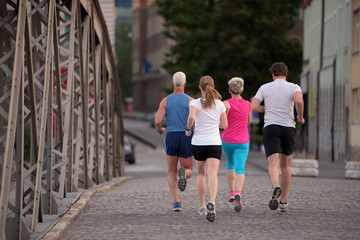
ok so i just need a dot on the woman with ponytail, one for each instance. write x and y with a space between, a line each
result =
209 114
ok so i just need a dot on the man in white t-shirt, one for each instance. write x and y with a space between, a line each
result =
279 97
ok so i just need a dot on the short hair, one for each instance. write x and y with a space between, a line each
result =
179 79
279 69
236 85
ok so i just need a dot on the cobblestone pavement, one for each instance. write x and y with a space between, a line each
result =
319 208
140 209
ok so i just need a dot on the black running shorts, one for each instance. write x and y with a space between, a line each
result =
279 139
201 153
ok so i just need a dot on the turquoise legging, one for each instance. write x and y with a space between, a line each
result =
236 154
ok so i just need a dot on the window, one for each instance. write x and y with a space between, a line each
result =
357 31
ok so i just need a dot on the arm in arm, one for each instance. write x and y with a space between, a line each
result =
255 106
190 120
299 105
159 116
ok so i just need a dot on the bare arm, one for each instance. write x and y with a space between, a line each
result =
299 105
227 106
159 117
223 121
256 107
190 120
249 120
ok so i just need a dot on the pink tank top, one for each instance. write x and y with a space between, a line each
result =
238 118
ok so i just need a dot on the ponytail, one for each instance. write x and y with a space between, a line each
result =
207 85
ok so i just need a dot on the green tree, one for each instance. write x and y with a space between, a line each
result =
187 24
124 57
247 37
227 38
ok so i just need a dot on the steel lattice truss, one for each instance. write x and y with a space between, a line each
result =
60 126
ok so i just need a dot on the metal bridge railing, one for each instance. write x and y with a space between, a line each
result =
61 123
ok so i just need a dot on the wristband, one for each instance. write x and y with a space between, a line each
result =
188 129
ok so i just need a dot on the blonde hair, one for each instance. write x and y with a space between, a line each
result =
179 79
236 85
207 85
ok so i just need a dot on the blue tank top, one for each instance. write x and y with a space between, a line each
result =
177 111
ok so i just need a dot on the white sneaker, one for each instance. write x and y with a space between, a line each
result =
202 211
283 206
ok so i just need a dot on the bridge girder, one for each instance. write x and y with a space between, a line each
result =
61 123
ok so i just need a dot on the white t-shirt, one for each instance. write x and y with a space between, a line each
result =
207 123
278 96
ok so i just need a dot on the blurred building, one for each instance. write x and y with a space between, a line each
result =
354 130
109 11
123 8
326 78
149 79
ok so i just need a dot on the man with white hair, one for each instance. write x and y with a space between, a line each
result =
177 145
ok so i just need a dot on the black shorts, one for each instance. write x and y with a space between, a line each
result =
201 153
279 139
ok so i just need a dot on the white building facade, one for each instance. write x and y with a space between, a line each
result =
326 77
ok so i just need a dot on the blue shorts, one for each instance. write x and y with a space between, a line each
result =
178 144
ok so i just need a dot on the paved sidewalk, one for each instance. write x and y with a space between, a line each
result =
319 208
140 209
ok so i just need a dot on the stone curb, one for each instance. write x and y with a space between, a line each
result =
352 170
65 221
304 167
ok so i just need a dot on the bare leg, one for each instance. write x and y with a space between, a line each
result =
240 178
188 164
285 178
172 173
273 169
231 179
201 181
213 166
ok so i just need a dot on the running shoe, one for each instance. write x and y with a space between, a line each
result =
202 211
231 196
182 180
283 206
176 207
210 211
274 204
238 202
